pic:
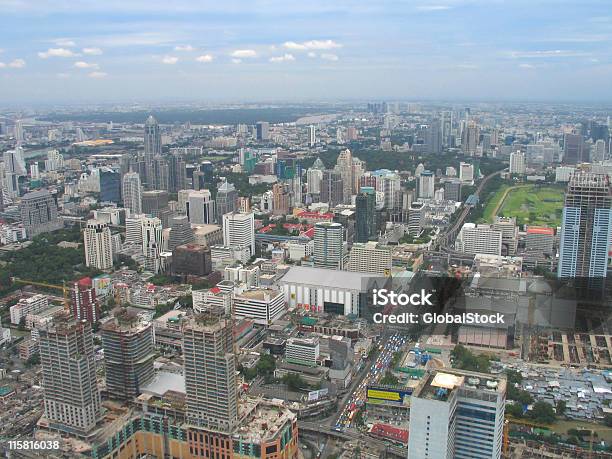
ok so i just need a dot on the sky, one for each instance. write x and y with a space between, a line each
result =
83 51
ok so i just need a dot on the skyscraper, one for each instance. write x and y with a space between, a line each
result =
312 135
517 162
98 245
84 303
39 213
152 242
226 198
344 165
573 149
586 226
365 215
426 185
152 138
328 246
262 130
128 355
132 193
239 230
280 199
332 188
210 372
201 207
71 395
110 185
154 202
180 232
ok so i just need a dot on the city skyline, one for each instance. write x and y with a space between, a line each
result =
453 49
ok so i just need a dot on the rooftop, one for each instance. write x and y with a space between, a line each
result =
325 278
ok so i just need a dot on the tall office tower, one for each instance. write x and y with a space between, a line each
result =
598 153
177 173
328 246
128 355
84 304
433 137
540 239
54 161
314 176
280 199
152 138
39 213
19 132
365 215
389 183
447 128
586 226
34 171
154 202
98 245
239 230
332 188
133 229
457 414
517 163
474 239
470 137
295 190
152 243
452 190
67 360
486 142
201 207
180 232
573 149
344 165
132 193
262 130
312 135
110 185
416 218
198 180
509 230
14 167
426 185
466 172
191 260
370 257
210 372
359 169
158 174
226 198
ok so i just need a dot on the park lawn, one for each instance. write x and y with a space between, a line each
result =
493 203
603 432
541 206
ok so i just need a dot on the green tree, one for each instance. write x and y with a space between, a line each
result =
294 381
389 379
543 412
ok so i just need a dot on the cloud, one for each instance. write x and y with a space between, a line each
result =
311 54
546 54
527 66
97 75
204 58
86 65
244 53
236 61
65 43
63 76
169 60
433 7
329 57
17 64
92 51
312 44
467 66
188 48
2 65
283 58
56 52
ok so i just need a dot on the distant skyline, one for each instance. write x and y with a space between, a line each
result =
71 51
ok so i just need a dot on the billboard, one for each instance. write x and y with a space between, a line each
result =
388 394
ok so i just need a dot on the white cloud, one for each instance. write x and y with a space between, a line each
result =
283 58
63 75
433 7
92 51
56 52
244 53
2 65
526 66
467 66
17 64
312 44
65 43
86 65
184 48
204 58
329 57
97 75
170 60
236 61
546 54
312 55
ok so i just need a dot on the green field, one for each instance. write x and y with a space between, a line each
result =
530 204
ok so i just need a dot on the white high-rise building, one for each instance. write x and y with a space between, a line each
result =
152 243
239 230
426 185
132 193
312 135
200 207
54 161
34 172
370 257
517 163
303 351
328 245
313 179
457 414
475 239
466 172
133 229
98 245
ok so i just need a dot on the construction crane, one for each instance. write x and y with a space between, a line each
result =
65 290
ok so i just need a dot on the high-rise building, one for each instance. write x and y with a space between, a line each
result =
365 215
509 230
452 190
154 202
262 130
239 230
433 137
67 360
540 239
201 207
152 138
98 245
180 232
152 243
370 257
328 245
466 173
586 227
84 303
14 167
110 185
332 188
389 183
482 239
210 372
133 229
314 176
517 163
177 173
39 213
312 135
426 185
303 351
416 218
470 136
281 199
344 165
573 149
192 260
128 355
457 415
226 198
132 193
